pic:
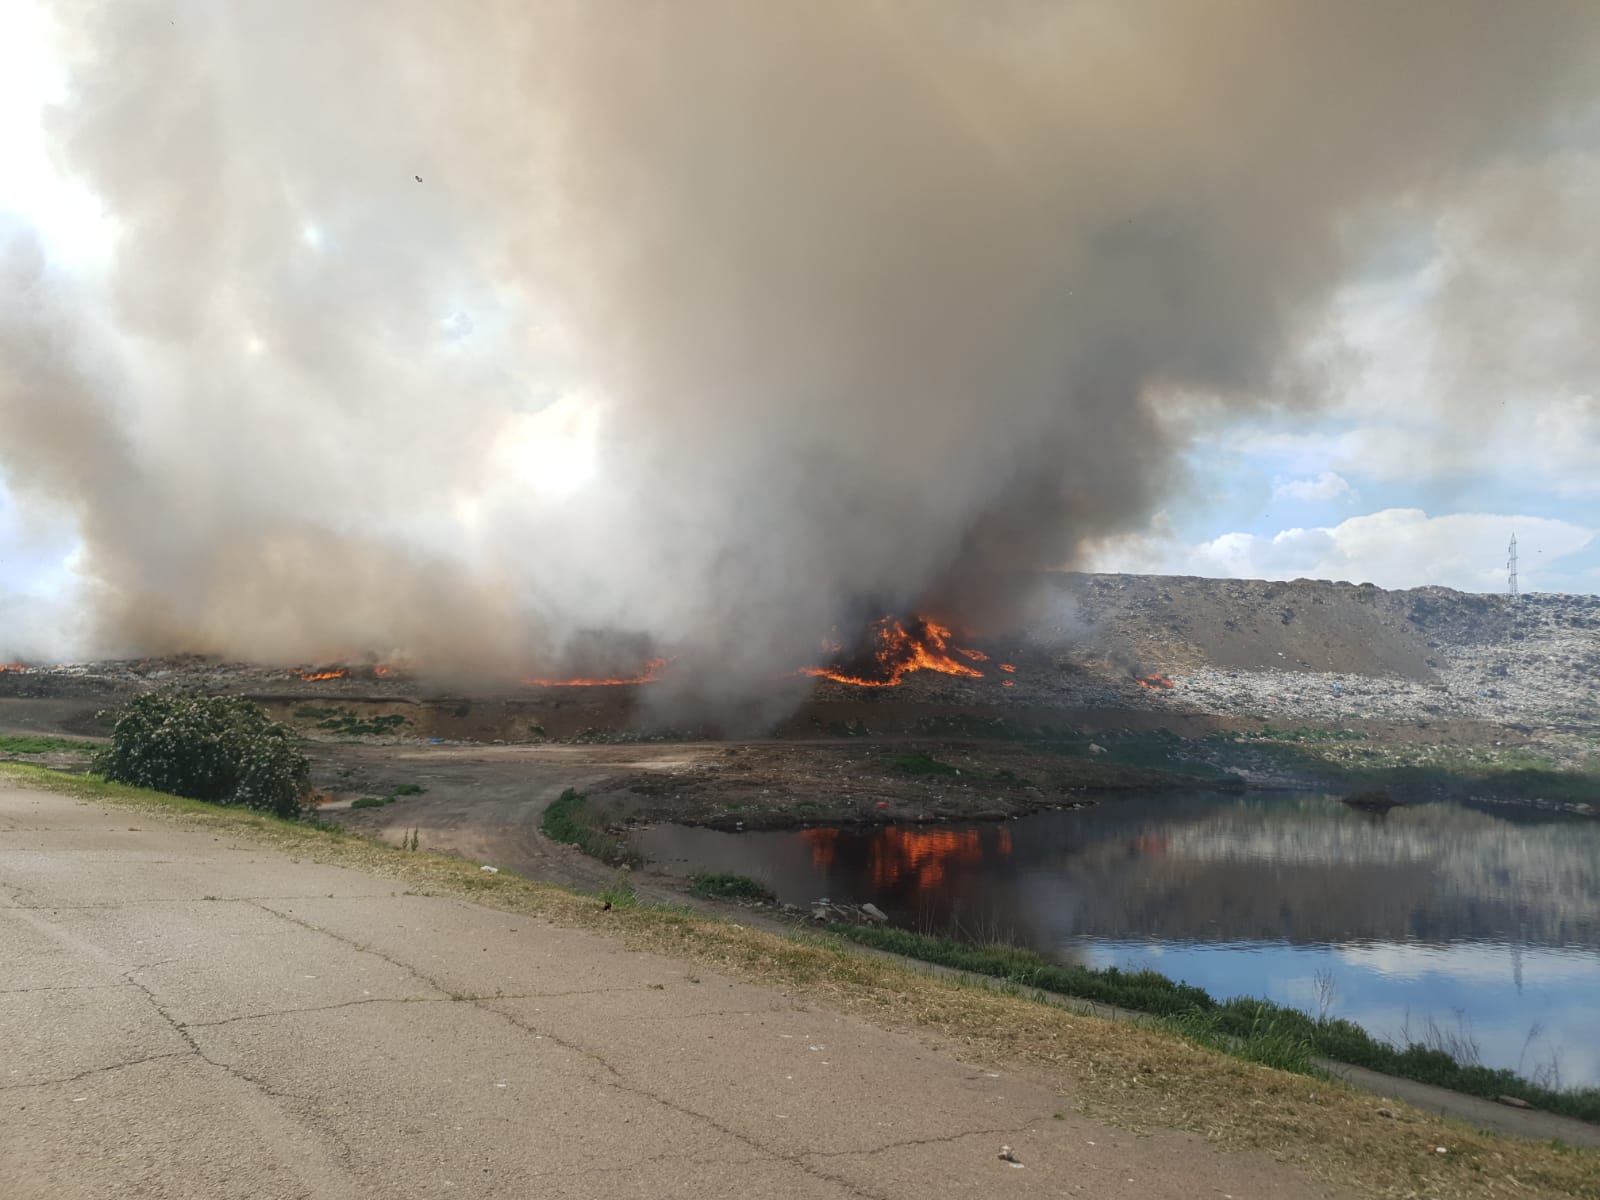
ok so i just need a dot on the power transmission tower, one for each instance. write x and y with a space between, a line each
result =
1511 568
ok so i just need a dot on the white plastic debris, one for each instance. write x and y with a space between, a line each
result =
488 870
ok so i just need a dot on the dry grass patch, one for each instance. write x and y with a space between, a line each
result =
1133 1075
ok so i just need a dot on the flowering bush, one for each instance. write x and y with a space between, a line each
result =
223 749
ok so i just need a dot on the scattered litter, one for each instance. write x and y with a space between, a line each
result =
1438 1149
873 911
1007 1155
1384 1112
1096 748
488 870
1513 1102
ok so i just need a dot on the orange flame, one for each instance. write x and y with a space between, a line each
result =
1009 668
314 676
382 671
1155 682
21 668
897 651
650 673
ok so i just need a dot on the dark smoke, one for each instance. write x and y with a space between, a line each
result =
865 306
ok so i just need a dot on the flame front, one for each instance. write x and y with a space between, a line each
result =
650 673
311 676
1155 682
896 651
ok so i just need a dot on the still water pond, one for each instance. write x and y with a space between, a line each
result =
1433 921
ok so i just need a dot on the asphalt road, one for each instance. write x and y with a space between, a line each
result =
183 1015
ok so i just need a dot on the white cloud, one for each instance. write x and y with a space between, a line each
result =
1394 548
1327 485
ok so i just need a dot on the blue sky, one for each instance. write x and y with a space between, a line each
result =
1410 472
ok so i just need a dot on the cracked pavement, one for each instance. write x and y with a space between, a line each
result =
186 1015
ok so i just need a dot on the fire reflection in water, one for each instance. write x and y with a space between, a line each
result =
823 843
912 858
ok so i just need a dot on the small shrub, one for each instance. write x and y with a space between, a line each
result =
371 802
729 887
220 749
407 789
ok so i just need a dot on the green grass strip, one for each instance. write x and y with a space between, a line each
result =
570 818
729 887
37 744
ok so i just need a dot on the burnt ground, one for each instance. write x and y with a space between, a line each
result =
1305 683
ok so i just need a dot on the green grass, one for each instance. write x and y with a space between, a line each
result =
1259 1029
343 721
1268 1038
1491 773
40 744
1143 991
570 818
920 762
93 787
405 789
729 887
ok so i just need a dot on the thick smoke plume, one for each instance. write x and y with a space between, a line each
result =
461 333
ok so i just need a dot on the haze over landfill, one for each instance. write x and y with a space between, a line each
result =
710 328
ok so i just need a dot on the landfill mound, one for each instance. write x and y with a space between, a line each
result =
1164 646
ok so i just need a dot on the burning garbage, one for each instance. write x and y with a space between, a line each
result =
895 649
